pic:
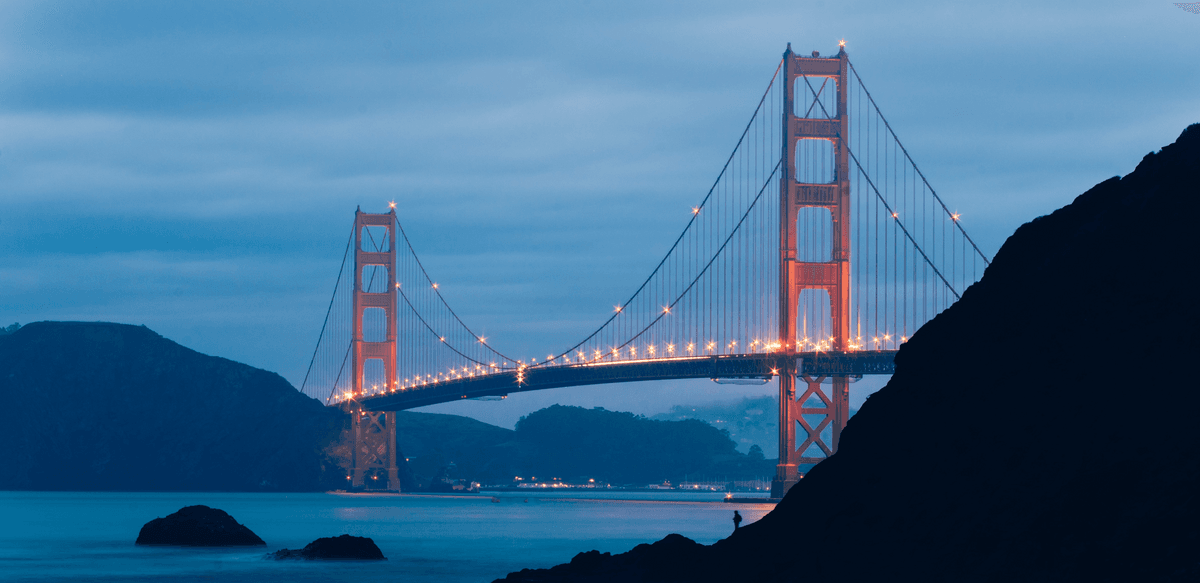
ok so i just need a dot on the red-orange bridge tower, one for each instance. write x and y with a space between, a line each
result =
819 289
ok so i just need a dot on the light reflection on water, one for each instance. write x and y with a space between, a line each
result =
74 536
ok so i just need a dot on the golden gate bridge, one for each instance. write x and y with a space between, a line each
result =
818 250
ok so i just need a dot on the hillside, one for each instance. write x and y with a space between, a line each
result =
479 451
623 448
100 406
572 443
750 421
1076 313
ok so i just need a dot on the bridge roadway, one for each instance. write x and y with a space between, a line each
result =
738 366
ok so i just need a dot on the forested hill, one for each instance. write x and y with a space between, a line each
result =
574 443
624 448
101 406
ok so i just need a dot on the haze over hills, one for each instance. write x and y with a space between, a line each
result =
1073 485
750 421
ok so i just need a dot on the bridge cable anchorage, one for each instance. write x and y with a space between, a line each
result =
691 222
880 196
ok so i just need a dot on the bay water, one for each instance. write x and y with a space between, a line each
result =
89 536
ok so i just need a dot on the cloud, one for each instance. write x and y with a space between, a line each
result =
196 167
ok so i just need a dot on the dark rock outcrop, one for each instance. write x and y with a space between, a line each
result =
344 547
1053 408
198 526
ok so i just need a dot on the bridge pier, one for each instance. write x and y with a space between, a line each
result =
374 449
787 472
814 411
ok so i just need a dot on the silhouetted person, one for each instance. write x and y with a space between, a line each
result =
737 520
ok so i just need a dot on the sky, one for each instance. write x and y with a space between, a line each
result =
195 167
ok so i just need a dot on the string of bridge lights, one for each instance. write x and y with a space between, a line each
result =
648 353
649 326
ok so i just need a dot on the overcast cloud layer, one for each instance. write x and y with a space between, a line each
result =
195 168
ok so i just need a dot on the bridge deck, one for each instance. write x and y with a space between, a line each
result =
746 366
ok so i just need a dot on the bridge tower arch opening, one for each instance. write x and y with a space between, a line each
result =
815 121
374 350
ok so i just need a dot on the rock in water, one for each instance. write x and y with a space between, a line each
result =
1040 429
345 547
198 526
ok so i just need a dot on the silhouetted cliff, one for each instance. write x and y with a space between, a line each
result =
1054 406
99 406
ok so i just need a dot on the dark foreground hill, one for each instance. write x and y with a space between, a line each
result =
99 406
1055 406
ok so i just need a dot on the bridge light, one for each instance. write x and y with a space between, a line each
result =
695 210
435 285
616 308
482 340
842 43
666 309
895 216
775 371
392 204
443 339
955 216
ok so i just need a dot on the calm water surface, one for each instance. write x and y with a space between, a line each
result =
87 536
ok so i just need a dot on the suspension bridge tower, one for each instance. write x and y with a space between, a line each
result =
374 431
826 127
